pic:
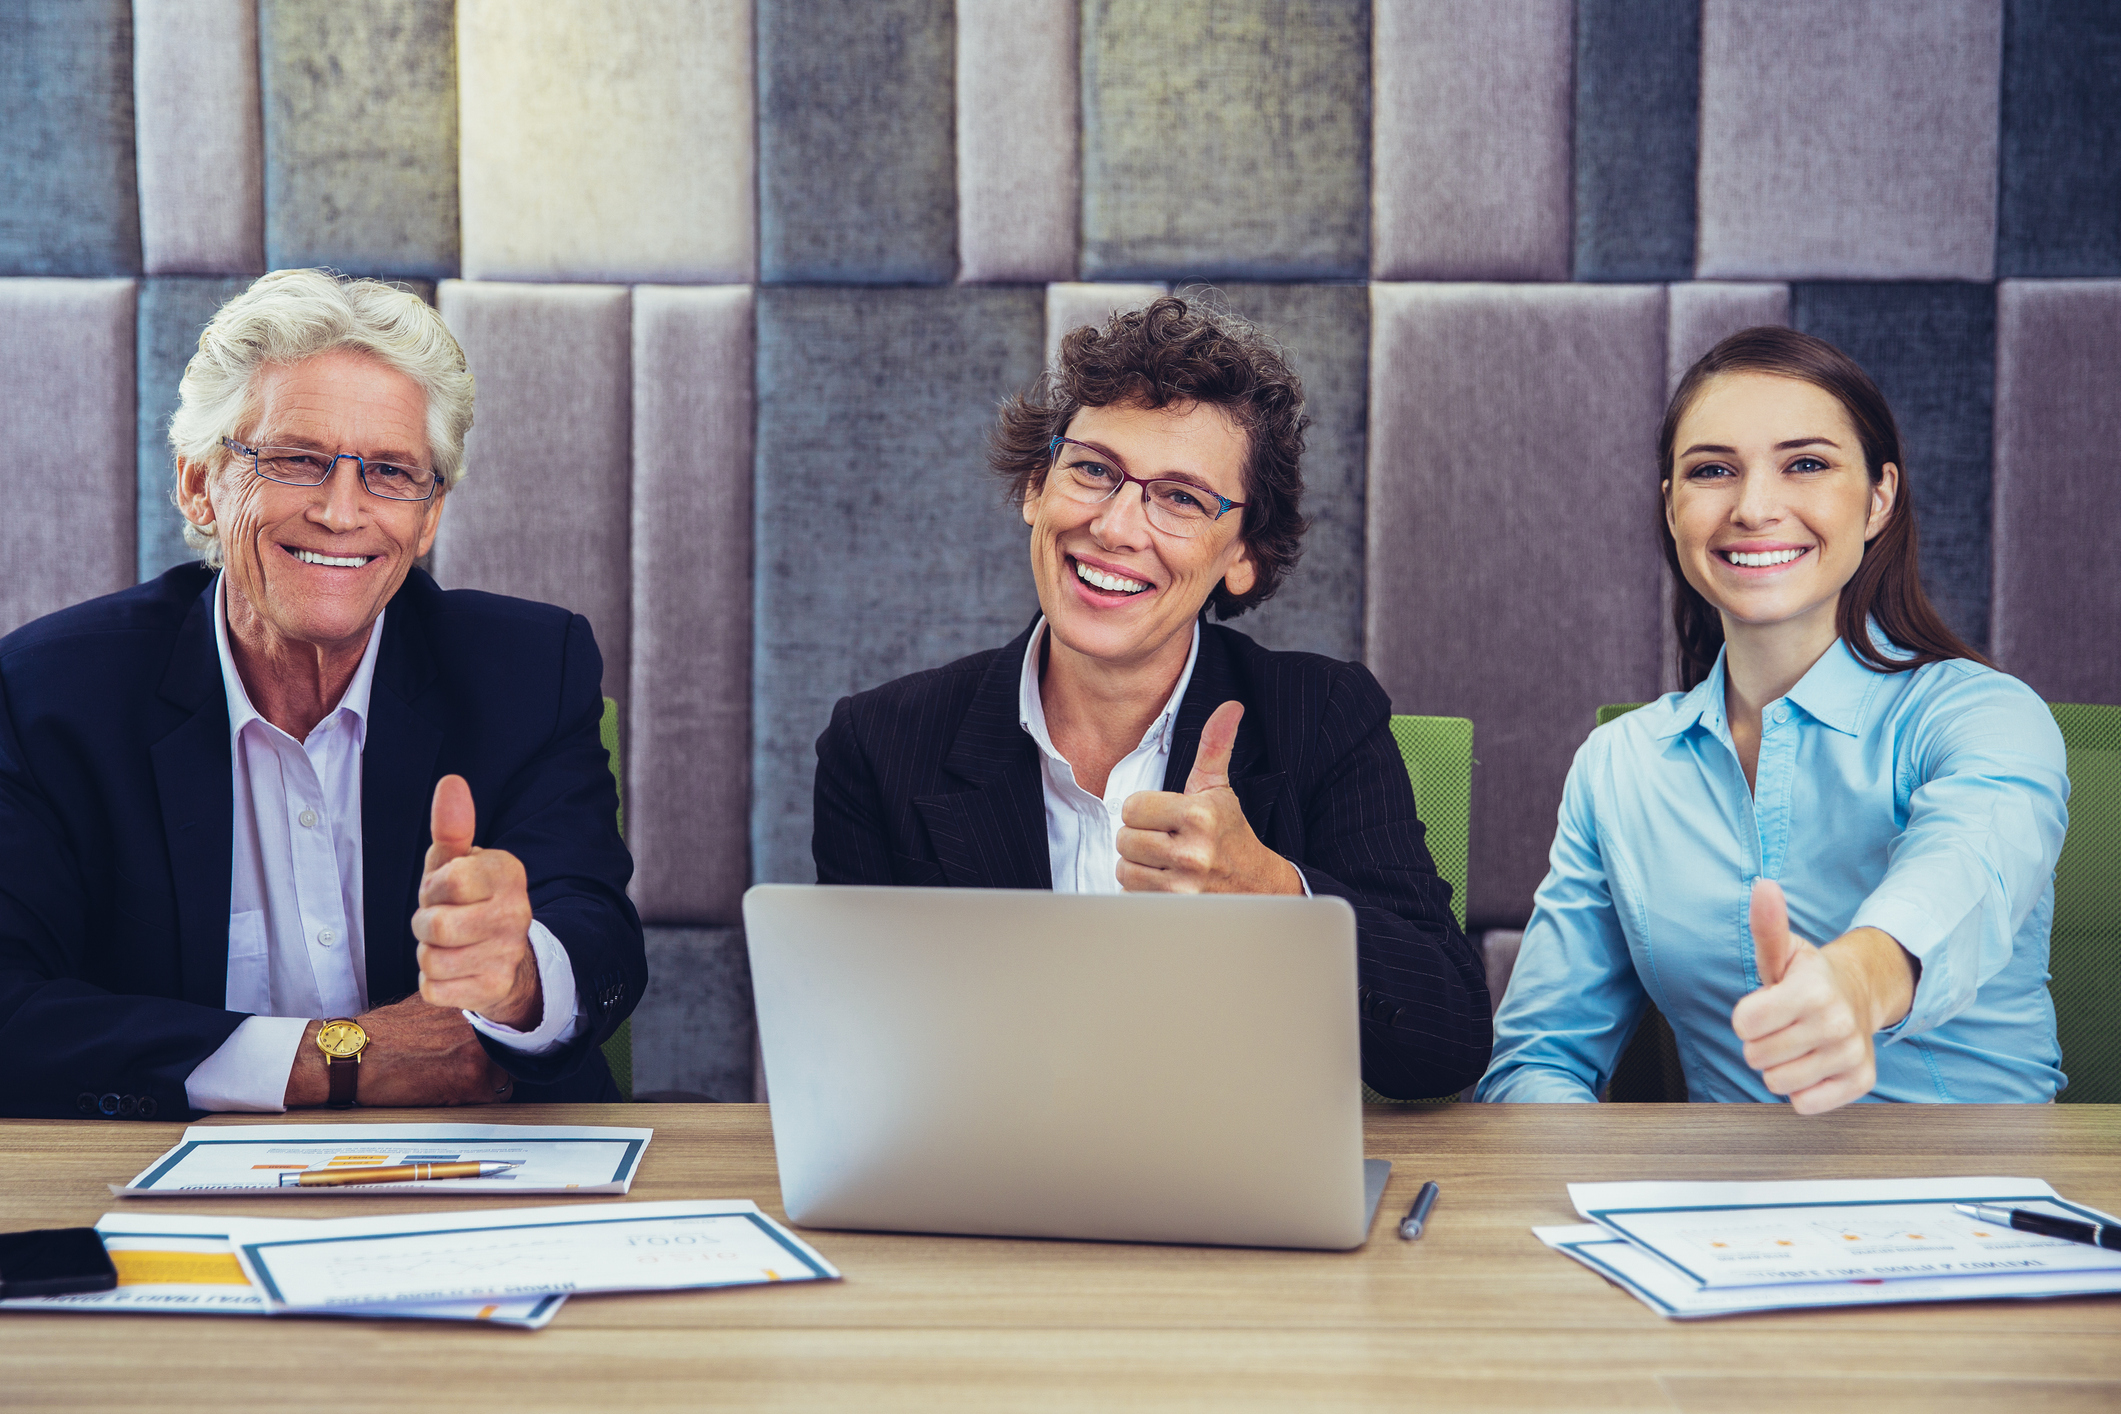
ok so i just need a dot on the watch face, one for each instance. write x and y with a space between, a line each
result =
342 1038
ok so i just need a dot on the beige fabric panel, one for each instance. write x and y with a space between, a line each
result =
1019 166
199 137
1705 313
1070 306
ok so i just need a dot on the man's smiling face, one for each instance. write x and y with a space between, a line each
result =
316 564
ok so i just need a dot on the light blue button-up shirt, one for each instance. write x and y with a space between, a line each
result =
1930 804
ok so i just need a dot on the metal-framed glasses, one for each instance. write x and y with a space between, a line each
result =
305 466
1091 475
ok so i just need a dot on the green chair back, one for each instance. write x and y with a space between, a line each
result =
2084 957
618 1051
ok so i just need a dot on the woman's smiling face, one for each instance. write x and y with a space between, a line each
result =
1770 502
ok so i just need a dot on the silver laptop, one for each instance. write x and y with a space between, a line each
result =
1138 1068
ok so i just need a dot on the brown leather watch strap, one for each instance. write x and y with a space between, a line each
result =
345 1073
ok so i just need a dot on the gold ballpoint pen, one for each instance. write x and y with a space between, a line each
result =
395 1173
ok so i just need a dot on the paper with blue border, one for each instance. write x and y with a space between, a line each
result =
249 1159
497 1253
1732 1235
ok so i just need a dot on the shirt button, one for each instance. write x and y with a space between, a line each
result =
308 819
327 937
1782 714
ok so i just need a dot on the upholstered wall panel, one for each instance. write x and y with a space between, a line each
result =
545 510
1070 306
202 165
173 309
606 142
1638 115
68 204
2058 403
66 438
1473 158
884 545
1324 331
2059 200
1705 313
1847 141
688 760
1225 138
1508 583
360 105
694 1029
856 125
1018 158
1931 348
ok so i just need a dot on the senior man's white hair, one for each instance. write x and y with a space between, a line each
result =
292 315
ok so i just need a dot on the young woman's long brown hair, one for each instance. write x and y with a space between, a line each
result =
1886 586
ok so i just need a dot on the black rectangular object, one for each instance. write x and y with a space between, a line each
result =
54 1261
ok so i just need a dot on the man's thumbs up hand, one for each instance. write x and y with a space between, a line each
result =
473 922
1198 841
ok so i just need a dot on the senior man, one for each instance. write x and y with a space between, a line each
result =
295 826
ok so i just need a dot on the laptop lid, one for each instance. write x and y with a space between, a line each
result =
1133 1067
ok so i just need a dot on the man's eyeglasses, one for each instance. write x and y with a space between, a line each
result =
1083 473
302 466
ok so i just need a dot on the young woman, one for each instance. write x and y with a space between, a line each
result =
1830 862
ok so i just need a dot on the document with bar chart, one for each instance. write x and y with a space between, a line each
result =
250 1159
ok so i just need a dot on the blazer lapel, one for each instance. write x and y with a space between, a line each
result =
197 795
1215 681
993 834
397 786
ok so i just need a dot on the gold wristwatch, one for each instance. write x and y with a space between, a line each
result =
342 1040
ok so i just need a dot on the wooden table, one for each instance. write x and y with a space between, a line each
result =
1477 1315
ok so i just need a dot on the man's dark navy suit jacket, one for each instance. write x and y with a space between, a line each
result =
931 780
116 830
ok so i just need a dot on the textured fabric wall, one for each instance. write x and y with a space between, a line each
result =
200 142
66 149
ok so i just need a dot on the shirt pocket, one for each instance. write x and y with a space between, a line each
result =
249 964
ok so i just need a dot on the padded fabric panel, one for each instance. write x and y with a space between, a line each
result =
690 753
1638 115
1845 141
2058 209
2057 600
1018 160
860 390
545 510
1225 139
1931 348
1520 600
173 310
694 1029
66 438
856 121
606 142
1473 166
360 109
67 200
1324 331
202 163
1705 313
1070 306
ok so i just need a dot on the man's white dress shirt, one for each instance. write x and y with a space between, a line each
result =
296 950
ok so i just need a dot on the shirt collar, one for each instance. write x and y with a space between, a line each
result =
1031 706
240 711
1833 691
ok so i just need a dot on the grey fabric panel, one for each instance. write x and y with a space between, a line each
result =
1225 139
1845 141
883 544
68 204
857 152
688 758
202 163
173 310
360 107
694 1030
1472 167
1638 118
545 510
1705 313
607 142
1324 331
1070 306
1019 162
1931 349
2057 599
2059 201
1508 582
66 439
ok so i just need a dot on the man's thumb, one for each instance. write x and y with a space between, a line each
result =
1773 945
453 823
1211 764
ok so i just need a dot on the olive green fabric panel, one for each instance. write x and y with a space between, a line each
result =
1225 139
2084 957
1439 756
68 202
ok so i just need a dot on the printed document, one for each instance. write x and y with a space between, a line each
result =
249 1159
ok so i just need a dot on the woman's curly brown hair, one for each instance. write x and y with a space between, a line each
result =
1176 351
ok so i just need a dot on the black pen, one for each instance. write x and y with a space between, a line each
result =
2092 1234
1411 1225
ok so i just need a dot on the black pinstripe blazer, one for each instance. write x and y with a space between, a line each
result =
930 780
